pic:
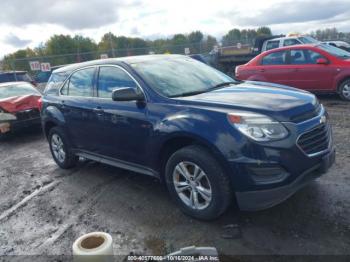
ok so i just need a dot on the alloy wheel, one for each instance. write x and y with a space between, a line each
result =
192 185
58 148
346 91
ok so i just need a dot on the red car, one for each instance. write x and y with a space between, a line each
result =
20 104
317 68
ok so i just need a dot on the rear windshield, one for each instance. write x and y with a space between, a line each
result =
17 90
55 82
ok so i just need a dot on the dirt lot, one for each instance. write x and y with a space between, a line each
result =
44 209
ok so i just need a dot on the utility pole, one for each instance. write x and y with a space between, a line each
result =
78 50
111 43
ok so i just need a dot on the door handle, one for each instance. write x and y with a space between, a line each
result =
98 110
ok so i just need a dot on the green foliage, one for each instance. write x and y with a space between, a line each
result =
245 36
264 31
330 34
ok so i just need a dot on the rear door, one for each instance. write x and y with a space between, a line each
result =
125 129
309 75
80 109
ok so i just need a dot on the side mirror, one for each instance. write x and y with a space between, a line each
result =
127 94
322 61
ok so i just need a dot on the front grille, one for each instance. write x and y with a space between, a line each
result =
28 114
315 140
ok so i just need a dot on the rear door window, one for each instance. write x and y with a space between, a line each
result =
275 58
112 78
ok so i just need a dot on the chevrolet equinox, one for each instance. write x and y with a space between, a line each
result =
210 138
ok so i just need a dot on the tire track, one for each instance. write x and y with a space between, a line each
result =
7 213
91 197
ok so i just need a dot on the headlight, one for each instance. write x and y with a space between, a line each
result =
257 127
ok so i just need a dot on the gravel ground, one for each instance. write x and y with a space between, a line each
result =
43 209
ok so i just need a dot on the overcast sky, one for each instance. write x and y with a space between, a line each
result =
29 23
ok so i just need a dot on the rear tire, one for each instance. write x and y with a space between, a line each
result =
344 90
197 183
60 149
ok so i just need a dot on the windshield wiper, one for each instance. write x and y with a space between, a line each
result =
192 93
222 85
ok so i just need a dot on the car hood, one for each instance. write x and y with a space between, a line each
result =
281 102
19 103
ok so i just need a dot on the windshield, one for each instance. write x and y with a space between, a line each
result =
308 40
17 90
180 76
335 51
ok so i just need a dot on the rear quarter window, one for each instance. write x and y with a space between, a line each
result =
55 82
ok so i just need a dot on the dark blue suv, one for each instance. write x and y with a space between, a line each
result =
210 138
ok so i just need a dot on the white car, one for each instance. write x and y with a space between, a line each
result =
340 44
288 41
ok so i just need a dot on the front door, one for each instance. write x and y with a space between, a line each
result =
309 75
125 131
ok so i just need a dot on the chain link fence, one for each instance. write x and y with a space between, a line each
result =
55 61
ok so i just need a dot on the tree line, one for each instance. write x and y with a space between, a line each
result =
66 49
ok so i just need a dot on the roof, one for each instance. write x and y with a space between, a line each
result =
301 46
127 60
288 37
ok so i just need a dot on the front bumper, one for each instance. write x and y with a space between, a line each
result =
263 199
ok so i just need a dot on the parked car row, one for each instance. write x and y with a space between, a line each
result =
317 68
16 76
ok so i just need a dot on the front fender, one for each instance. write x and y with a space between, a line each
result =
209 128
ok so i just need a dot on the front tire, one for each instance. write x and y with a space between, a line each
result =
61 149
197 183
344 90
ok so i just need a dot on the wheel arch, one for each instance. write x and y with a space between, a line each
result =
51 117
48 126
174 143
341 81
